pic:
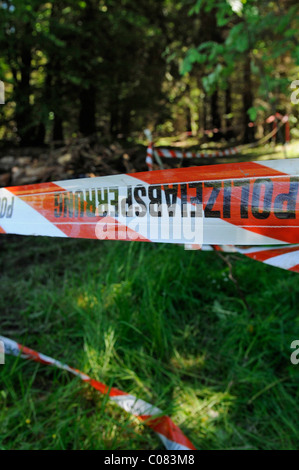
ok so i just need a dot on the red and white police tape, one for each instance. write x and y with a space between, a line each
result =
188 154
171 436
171 153
247 203
269 120
149 156
157 152
284 257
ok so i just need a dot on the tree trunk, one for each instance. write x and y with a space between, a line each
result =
54 91
247 102
23 113
87 115
204 113
188 119
229 133
114 115
57 133
126 118
30 126
216 119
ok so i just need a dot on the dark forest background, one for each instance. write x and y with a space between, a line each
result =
113 67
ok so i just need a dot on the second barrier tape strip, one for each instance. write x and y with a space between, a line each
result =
171 436
182 154
284 257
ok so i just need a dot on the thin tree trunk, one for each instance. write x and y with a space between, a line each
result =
126 118
247 102
114 115
216 119
23 113
205 114
188 119
229 134
57 129
87 119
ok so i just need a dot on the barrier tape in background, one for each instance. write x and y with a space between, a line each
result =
152 151
244 204
271 119
171 436
167 153
284 257
149 156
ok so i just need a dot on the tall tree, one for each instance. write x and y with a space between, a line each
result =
256 34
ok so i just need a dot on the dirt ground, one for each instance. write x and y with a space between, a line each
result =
80 158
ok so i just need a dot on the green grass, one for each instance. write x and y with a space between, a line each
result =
164 324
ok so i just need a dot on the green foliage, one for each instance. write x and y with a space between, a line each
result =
96 66
262 30
79 45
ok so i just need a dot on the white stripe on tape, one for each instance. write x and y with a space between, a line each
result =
27 221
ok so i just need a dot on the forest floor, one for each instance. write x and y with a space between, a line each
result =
161 323
85 157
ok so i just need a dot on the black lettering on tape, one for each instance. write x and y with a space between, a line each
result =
103 202
197 200
90 202
264 212
9 211
3 207
244 197
285 203
140 212
114 202
79 204
227 191
6 209
155 199
58 205
68 205
184 200
171 195
210 204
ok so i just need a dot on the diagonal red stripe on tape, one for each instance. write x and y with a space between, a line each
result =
203 173
31 195
165 426
295 269
39 188
113 392
86 227
267 254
